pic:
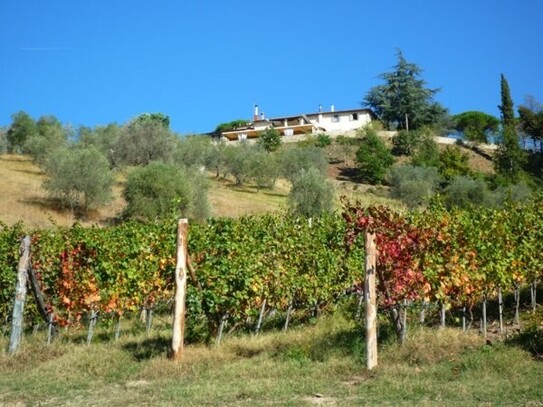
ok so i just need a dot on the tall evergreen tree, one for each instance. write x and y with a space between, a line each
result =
510 157
506 108
403 100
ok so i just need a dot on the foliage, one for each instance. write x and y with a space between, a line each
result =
406 142
3 140
229 126
50 136
294 160
464 191
311 194
238 162
269 140
79 177
264 169
162 190
509 159
194 151
103 138
453 162
159 119
373 157
413 185
475 125
323 140
403 100
143 141
22 128
531 119
453 256
426 153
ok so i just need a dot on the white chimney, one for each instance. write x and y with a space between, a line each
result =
332 108
320 108
255 114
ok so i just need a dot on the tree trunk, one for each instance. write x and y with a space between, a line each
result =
533 292
92 323
180 290
118 328
484 317
442 315
148 320
287 318
500 308
423 312
517 304
50 328
260 317
463 319
224 318
404 321
371 302
20 295
359 304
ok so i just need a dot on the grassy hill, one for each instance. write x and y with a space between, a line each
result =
24 198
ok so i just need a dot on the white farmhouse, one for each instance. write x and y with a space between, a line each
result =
332 122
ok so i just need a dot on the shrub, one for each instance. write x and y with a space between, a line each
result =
79 177
311 194
323 140
413 185
293 160
160 190
426 154
3 141
269 140
464 192
373 157
406 142
453 162
514 193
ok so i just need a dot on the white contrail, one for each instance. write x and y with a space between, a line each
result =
45 48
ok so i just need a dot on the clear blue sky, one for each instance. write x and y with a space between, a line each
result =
206 62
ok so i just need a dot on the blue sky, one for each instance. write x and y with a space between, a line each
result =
206 62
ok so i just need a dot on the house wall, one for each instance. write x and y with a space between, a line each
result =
339 122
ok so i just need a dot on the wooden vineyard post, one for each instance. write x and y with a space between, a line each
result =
20 295
180 289
371 302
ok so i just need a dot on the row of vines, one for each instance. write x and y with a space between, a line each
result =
239 266
455 258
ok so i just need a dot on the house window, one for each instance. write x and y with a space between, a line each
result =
335 118
354 116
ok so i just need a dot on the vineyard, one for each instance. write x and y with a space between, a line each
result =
248 268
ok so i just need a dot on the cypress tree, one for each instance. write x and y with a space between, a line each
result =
509 157
506 108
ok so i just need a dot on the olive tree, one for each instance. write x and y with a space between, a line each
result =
142 141
160 190
311 194
79 177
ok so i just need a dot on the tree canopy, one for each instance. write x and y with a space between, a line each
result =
476 126
403 101
531 119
